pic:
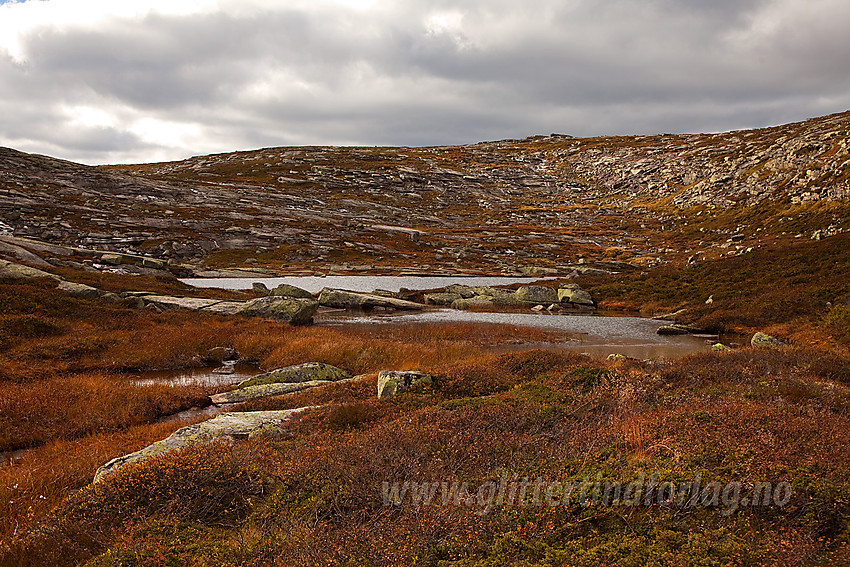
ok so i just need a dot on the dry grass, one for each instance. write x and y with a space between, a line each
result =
44 476
732 416
37 412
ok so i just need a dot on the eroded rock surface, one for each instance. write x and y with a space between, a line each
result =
394 382
355 300
309 371
264 391
287 309
237 425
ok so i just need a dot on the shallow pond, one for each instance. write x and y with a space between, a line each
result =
595 335
314 284
227 373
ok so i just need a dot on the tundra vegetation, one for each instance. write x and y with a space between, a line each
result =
314 493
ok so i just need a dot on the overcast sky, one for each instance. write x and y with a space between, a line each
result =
106 81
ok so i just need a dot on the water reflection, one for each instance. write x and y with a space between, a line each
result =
592 334
228 373
314 284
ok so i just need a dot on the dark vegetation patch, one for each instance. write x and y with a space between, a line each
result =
767 286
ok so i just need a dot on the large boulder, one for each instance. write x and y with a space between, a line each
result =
286 290
464 291
307 372
670 330
287 309
763 340
112 259
355 300
13 270
537 294
441 298
392 382
572 293
479 302
220 354
263 391
80 290
230 426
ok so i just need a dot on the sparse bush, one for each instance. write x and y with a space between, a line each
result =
837 323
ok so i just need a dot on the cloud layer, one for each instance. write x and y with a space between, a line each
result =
101 81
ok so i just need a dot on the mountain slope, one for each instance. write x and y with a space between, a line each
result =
538 203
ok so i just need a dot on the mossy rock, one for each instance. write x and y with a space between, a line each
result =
672 330
763 340
441 298
286 290
572 293
237 425
290 310
308 372
393 382
537 294
264 391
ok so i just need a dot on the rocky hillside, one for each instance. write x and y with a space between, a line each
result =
535 205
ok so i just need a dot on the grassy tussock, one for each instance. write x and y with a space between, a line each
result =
68 407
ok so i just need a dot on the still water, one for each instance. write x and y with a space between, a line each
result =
314 284
595 335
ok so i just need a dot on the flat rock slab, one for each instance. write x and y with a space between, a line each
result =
309 371
13 270
80 290
194 303
286 309
263 391
237 425
21 253
355 300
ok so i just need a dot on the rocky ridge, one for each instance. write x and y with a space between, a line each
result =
513 206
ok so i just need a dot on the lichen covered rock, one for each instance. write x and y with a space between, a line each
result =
672 330
286 290
763 340
343 299
537 294
443 298
392 382
572 293
237 425
287 309
263 391
306 372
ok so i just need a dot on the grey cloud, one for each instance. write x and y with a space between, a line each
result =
332 75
